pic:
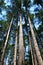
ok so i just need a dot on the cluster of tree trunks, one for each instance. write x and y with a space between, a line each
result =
21 45
39 58
33 55
5 44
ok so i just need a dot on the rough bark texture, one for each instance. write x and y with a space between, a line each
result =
35 44
21 46
2 57
15 51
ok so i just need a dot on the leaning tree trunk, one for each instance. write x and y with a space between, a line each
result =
4 49
39 58
21 46
15 51
30 42
33 55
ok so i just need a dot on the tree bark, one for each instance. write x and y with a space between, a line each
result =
21 46
4 49
15 51
39 58
30 42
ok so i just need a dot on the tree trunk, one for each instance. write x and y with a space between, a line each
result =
35 60
21 46
4 49
30 42
15 51
33 51
39 58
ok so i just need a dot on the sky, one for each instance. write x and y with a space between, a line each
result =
7 2
3 14
37 22
33 9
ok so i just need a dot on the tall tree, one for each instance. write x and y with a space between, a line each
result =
30 42
4 49
15 51
21 46
39 58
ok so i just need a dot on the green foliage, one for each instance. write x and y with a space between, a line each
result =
18 4
38 2
2 4
40 15
4 24
31 16
40 29
26 2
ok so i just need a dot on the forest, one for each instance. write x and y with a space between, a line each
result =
21 32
